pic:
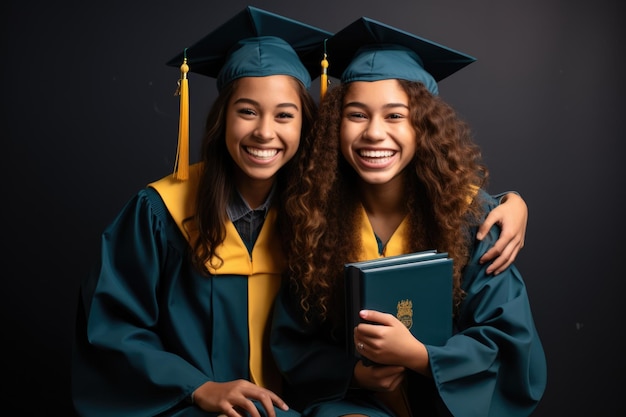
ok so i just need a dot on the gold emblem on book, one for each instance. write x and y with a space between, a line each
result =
405 312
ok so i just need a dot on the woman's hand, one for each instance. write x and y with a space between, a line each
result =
389 342
234 398
512 216
381 378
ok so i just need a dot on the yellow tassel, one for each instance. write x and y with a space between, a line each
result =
324 75
181 167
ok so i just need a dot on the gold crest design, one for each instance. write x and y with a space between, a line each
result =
405 312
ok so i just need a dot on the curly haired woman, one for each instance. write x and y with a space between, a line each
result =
393 170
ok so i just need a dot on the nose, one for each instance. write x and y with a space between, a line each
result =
264 130
374 130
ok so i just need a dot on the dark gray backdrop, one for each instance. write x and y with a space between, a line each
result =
89 117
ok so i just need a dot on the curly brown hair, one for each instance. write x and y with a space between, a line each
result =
216 186
322 215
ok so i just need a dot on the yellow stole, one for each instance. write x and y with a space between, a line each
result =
263 268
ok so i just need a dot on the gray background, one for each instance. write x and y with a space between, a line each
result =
89 117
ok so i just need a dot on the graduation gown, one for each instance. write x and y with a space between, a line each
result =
151 329
493 365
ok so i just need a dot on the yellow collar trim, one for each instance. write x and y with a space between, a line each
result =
395 245
180 199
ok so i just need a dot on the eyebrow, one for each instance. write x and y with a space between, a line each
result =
256 103
386 106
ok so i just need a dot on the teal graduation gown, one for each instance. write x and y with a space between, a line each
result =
150 329
493 365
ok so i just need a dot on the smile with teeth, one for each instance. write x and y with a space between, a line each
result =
262 153
376 156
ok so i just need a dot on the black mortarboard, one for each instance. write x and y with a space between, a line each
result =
367 50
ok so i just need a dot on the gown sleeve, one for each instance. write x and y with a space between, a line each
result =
122 362
494 364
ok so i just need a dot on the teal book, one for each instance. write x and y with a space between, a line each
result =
415 287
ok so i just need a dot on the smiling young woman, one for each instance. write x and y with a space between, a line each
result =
393 170
173 319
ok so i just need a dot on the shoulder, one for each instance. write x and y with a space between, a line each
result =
172 191
178 197
486 201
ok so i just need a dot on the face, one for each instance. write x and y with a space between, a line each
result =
263 123
377 137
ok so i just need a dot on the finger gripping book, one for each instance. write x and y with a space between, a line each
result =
416 288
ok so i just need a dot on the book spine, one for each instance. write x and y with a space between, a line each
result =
353 292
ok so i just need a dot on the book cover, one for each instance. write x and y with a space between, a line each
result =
416 288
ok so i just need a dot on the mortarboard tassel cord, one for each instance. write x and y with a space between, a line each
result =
181 167
324 75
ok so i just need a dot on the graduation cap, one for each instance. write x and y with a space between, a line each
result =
253 43
367 50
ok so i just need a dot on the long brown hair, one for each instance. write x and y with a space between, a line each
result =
323 215
216 186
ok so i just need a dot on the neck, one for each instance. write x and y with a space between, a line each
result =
254 191
385 206
384 199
